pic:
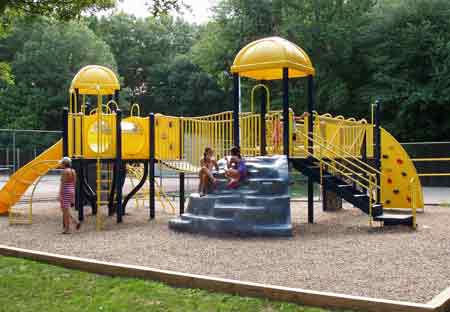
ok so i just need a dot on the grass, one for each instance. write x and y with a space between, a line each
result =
31 286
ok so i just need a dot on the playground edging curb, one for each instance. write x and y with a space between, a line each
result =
301 296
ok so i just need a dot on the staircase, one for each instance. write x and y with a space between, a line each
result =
260 206
350 191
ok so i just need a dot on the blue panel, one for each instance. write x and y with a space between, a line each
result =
260 206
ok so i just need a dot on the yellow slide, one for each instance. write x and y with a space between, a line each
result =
17 185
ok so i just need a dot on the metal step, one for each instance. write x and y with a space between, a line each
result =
395 219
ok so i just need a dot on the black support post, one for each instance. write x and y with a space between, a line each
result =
182 196
116 96
79 198
119 165
310 200
286 111
65 132
263 120
310 147
377 150
152 165
236 110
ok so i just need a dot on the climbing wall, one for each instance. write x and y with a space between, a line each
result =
259 206
400 184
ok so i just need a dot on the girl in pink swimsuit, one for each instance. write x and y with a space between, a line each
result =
67 194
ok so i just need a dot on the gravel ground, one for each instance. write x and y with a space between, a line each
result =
339 253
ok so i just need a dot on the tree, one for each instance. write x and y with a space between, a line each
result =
69 9
44 67
145 50
63 10
184 89
408 46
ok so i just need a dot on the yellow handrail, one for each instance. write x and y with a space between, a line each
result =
348 155
112 102
372 180
94 110
343 151
413 199
135 106
252 106
369 174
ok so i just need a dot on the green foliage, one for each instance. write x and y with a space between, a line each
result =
150 54
65 10
31 286
410 67
48 56
186 89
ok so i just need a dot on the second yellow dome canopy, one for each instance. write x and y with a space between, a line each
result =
265 59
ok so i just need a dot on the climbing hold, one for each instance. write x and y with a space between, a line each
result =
170 124
170 147
388 202
404 173
408 199
385 156
399 161
396 191
389 181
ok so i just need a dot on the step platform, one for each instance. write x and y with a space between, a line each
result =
395 219
260 206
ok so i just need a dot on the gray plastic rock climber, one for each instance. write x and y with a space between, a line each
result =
259 206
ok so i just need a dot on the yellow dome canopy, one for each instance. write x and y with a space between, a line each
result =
95 79
265 59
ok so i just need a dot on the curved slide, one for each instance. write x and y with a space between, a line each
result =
19 182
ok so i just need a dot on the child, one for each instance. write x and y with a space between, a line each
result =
67 194
207 164
237 170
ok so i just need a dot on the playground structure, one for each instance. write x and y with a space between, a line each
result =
357 159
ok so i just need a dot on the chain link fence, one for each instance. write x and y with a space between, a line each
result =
18 147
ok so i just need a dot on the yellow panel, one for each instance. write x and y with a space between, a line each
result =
135 138
167 137
264 59
396 189
108 136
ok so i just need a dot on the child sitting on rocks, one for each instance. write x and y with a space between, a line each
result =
237 170
207 164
